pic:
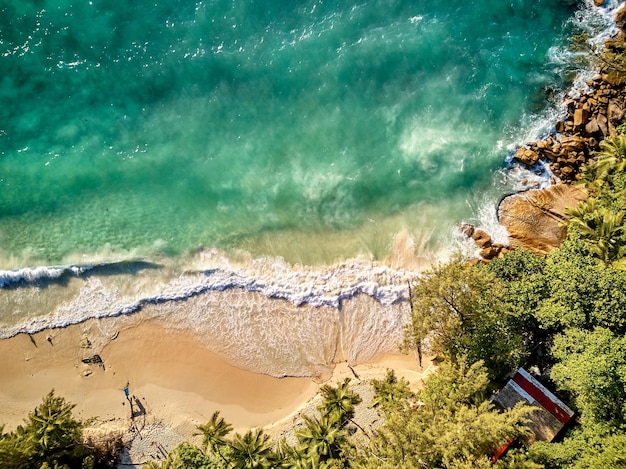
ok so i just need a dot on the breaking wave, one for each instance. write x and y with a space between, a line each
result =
30 275
274 279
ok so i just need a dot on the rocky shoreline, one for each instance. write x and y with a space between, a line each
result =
534 218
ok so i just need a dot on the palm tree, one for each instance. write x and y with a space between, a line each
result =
252 450
322 439
294 457
601 229
213 434
339 402
611 159
613 147
52 425
51 437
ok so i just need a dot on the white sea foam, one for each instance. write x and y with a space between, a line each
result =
241 304
598 24
274 279
263 315
34 274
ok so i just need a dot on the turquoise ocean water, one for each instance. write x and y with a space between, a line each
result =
313 131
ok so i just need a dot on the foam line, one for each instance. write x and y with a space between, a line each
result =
35 274
323 287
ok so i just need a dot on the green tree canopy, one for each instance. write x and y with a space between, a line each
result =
252 450
459 311
214 434
322 440
452 427
592 366
391 394
50 438
581 292
599 221
596 446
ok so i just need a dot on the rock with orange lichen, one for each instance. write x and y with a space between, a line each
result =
534 219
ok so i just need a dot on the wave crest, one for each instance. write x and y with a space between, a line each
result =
327 286
31 275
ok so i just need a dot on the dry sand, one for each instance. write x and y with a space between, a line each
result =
175 383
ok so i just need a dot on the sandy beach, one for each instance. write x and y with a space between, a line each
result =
174 382
171 372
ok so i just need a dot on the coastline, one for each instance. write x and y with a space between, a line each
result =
264 316
173 374
88 299
174 381
183 370
592 110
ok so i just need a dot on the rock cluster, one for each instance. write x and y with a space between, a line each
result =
590 118
488 249
534 219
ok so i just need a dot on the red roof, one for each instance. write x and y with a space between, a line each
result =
541 395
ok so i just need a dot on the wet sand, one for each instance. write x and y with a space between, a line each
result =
172 374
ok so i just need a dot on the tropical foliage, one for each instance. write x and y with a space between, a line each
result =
458 311
450 425
214 435
322 441
599 221
391 393
564 313
52 438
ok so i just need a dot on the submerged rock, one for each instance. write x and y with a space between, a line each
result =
534 219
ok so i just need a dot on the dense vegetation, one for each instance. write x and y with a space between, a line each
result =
52 438
564 315
449 424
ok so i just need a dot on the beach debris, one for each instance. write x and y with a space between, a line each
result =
114 336
86 373
85 342
94 360
49 339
